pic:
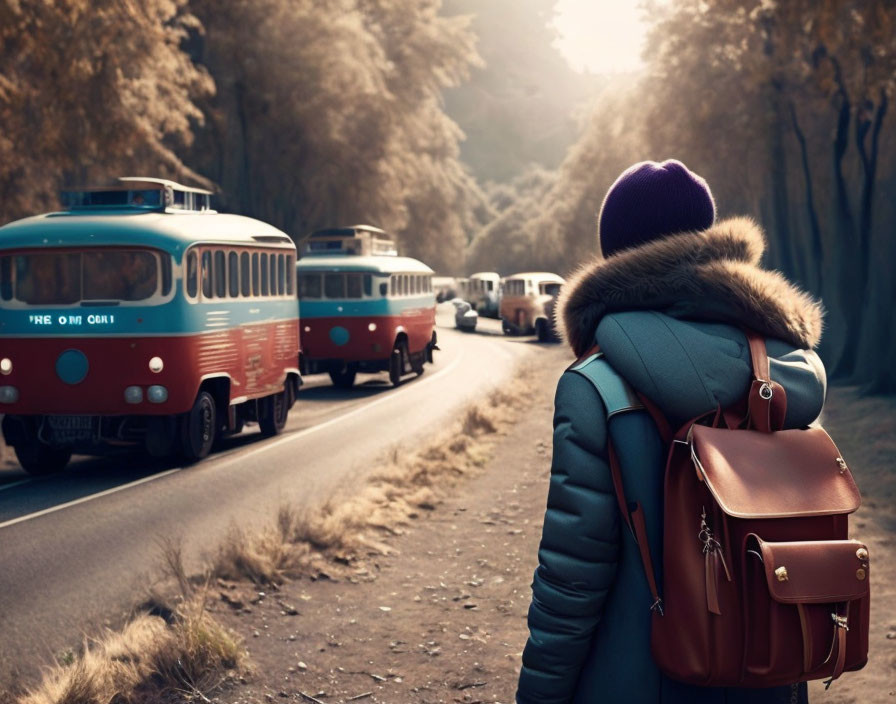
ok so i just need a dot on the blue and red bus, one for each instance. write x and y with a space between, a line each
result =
363 307
138 316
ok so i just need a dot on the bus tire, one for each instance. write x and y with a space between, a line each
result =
39 459
198 428
541 330
272 413
397 362
506 328
344 378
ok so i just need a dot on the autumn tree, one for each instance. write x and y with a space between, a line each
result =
90 90
330 113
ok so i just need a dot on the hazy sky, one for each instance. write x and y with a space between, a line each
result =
602 36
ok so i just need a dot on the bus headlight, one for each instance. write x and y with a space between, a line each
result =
372 327
9 394
156 365
156 394
133 394
5 365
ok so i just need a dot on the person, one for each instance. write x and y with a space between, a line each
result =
666 304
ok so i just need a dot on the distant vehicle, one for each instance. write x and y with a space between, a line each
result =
465 317
482 292
363 308
523 303
445 288
138 316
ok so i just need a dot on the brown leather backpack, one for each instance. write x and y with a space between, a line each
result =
761 584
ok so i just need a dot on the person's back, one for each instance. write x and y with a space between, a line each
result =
666 308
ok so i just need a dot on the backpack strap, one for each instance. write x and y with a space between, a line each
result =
767 400
619 397
614 391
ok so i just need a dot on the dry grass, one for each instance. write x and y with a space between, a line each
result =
353 525
164 653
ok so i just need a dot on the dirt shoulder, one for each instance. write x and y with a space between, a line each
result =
444 619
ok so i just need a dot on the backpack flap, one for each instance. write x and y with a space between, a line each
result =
815 571
784 474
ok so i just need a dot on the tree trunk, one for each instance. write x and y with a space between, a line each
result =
848 329
781 241
816 253
876 284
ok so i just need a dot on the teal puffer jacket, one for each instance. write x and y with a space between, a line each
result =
589 617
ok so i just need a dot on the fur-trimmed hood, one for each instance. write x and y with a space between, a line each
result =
709 275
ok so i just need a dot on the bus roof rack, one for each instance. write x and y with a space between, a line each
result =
138 193
352 239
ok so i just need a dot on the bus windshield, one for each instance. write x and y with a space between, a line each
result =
67 278
335 285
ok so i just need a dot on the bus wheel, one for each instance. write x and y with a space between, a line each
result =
272 413
506 327
397 362
39 459
197 429
344 378
541 330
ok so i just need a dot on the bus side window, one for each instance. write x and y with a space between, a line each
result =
220 274
256 282
274 290
192 276
368 285
245 275
384 289
281 273
5 278
206 274
290 276
264 273
233 274
353 285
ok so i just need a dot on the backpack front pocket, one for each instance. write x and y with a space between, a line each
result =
815 590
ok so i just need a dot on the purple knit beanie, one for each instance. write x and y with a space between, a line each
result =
651 200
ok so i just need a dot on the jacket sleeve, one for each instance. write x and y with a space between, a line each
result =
579 547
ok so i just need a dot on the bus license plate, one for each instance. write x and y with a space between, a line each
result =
67 428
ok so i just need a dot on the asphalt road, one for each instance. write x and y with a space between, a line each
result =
78 549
